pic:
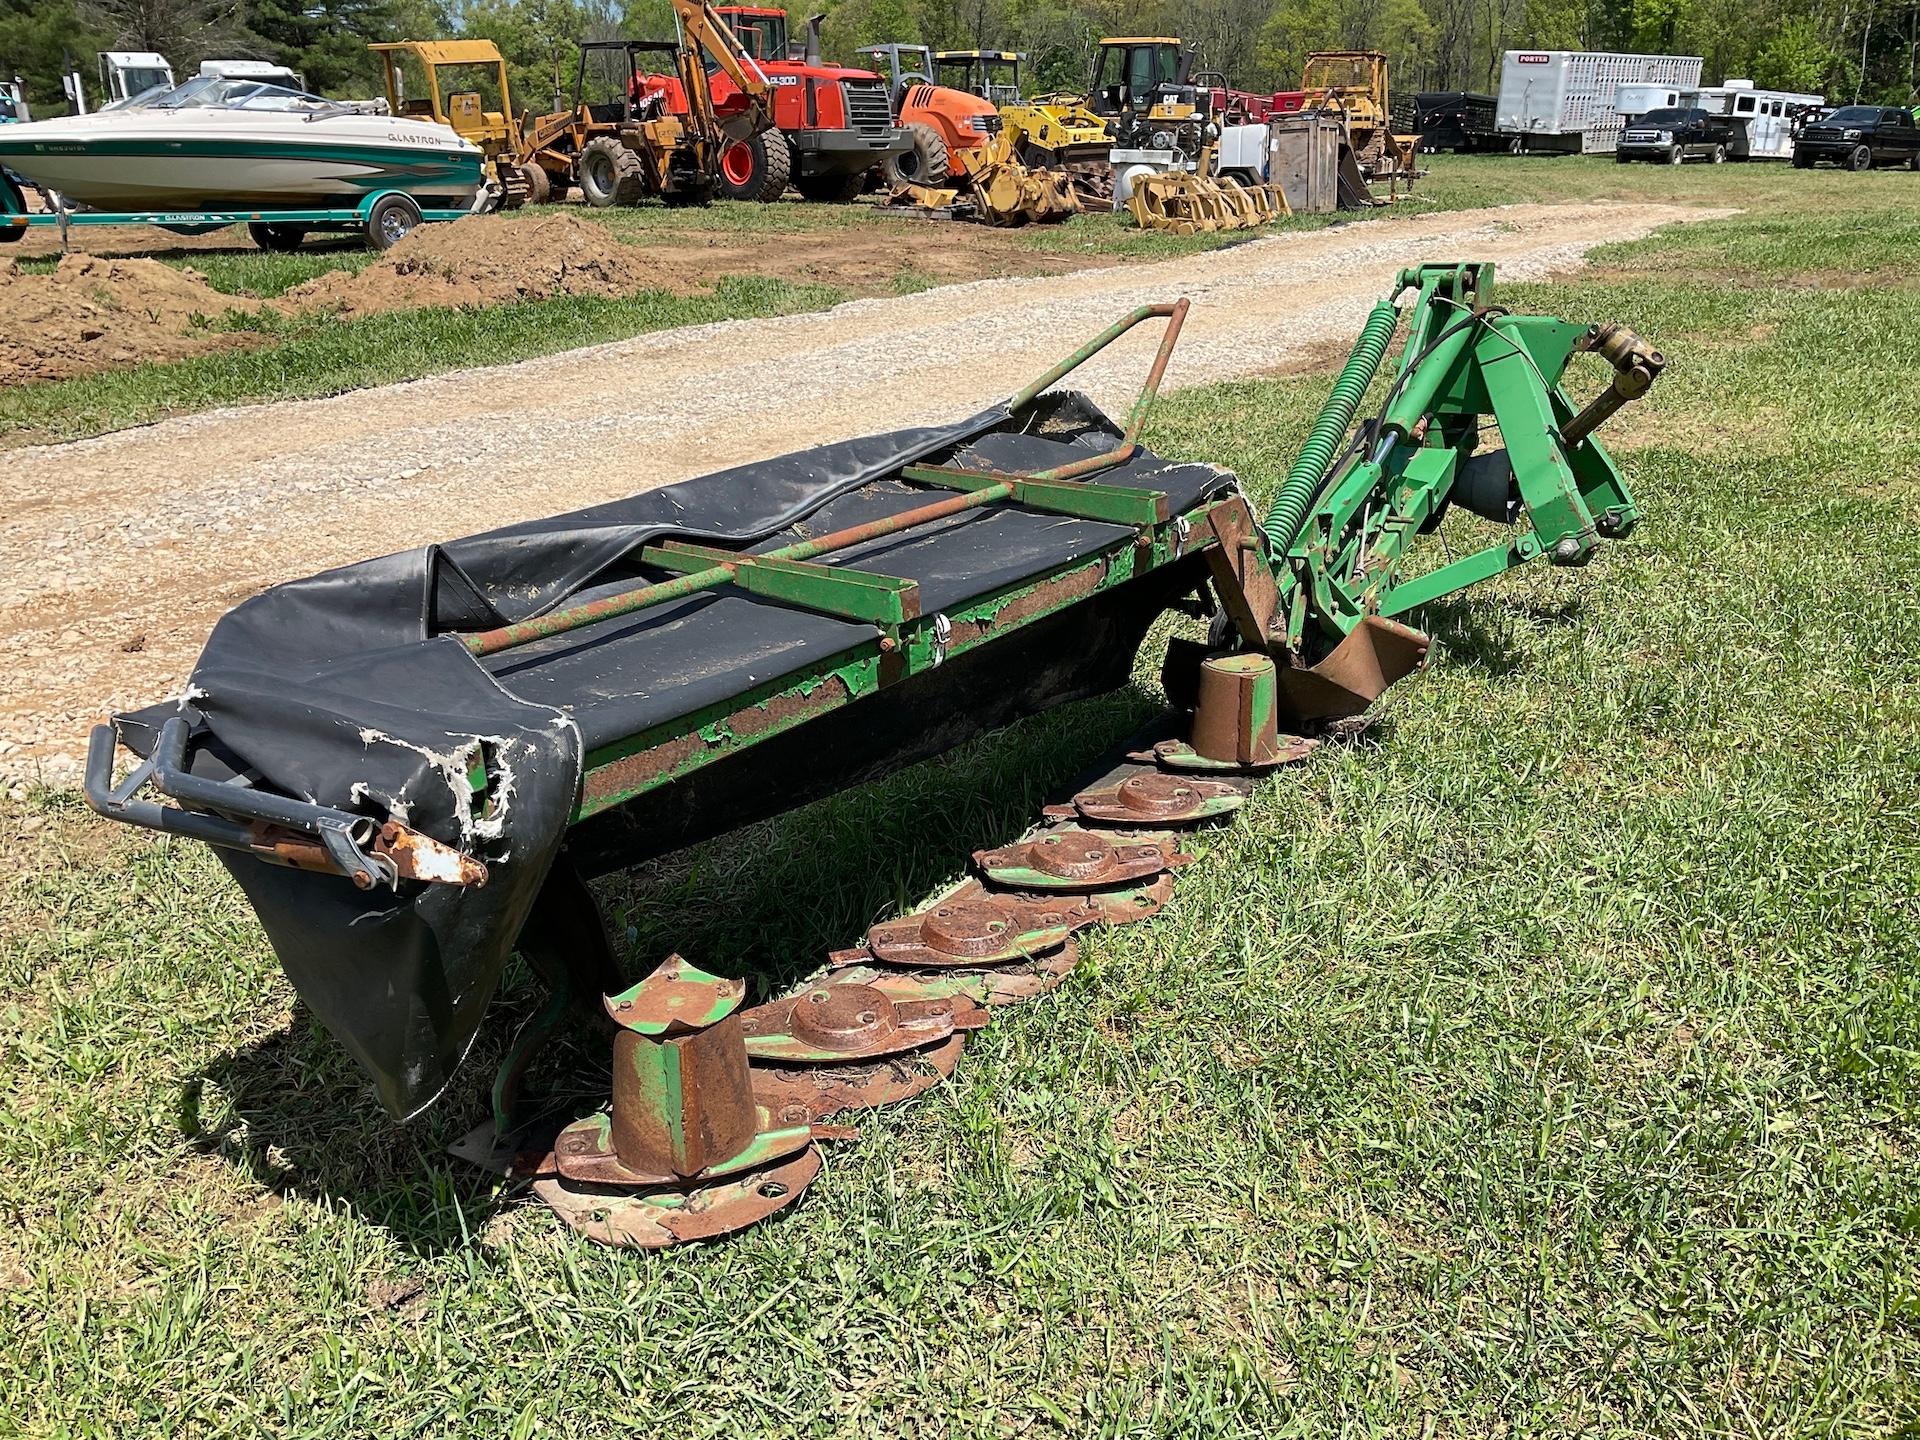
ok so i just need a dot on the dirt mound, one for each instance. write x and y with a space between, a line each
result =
92 314
490 260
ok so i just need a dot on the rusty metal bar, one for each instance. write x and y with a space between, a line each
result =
1176 316
576 617
489 642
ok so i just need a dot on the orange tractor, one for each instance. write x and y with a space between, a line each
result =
939 120
832 126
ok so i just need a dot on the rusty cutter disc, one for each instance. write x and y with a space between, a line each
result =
972 926
654 1219
998 985
1179 755
840 1020
799 1094
1131 903
584 1154
1150 797
1071 858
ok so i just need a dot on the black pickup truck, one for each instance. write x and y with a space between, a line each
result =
1860 137
1668 137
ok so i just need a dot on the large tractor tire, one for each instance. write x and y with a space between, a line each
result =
611 174
832 189
926 162
757 169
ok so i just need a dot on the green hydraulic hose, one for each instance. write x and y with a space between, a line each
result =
1289 510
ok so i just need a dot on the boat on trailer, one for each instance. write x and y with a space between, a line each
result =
219 150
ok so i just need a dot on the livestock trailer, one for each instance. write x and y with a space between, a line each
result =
1562 102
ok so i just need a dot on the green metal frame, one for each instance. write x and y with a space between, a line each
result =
1463 364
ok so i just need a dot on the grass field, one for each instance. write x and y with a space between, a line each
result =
1546 1062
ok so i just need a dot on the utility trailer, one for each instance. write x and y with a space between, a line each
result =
383 218
413 765
1562 102
1456 120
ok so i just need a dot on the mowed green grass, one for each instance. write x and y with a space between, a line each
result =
1544 1062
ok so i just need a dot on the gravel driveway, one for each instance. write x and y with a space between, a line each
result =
117 554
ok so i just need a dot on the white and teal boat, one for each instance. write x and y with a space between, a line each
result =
219 151
219 143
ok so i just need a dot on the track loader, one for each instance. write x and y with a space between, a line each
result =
414 765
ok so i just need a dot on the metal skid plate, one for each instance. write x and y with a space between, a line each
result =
655 1219
1005 984
584 1153
1178 755
1071 858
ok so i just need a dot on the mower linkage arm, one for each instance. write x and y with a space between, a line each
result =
273 828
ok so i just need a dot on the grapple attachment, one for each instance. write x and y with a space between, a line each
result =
1195 202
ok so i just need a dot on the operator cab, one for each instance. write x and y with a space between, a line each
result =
761 33
993 75
905 66
1133 71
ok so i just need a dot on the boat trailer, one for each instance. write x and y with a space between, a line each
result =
414 764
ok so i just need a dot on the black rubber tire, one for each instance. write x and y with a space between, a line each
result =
1677 155
1913 161
832 189
1860 158
757 169
279 239
391 220
539 185
1719 156
926 162
1621 157
610 174
1801 161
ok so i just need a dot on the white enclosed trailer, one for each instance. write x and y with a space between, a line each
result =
1562 101
1768 119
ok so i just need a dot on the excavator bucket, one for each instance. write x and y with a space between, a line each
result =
413 765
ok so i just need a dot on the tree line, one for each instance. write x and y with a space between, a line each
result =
1866 50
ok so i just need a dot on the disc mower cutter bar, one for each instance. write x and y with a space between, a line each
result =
389 757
